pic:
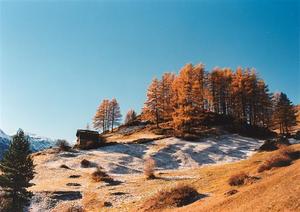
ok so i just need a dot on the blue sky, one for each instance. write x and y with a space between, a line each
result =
58 60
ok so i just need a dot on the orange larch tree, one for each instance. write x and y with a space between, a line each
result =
188 98
152 110
166 94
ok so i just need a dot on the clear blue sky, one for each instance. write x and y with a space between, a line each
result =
60 59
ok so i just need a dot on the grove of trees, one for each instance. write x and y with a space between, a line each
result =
186 99
107 116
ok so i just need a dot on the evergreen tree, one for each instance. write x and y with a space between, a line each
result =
17 170
284 115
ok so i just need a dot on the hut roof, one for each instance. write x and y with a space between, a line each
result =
86 132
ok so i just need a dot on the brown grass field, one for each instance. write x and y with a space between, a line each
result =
277 189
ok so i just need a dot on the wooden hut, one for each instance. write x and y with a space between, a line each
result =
87 138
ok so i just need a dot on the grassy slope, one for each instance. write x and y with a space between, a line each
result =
277 190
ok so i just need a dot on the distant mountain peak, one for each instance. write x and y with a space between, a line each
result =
37 143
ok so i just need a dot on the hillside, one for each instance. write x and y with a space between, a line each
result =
60 187
276 190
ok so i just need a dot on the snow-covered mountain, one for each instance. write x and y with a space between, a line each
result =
4 142
37 143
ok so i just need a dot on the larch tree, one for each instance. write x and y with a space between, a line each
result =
238 96
264 105
188 98
250 86
17 171
114 113
220 88
101 120
130 116
166 94
284 115
152 110
207 95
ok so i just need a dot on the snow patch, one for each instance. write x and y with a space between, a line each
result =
169 153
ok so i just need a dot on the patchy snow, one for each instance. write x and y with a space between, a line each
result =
294 141
3 135
169 153
125 163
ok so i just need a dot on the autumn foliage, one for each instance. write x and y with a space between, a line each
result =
187 99
108 115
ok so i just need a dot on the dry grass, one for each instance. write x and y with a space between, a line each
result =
174 197
277 190
68 207
149 166
101 176
238 179
280 159
92 202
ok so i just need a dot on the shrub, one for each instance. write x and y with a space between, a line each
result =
290 152
64 166
63 145
268 145
238 179
158 131
149 166
277 160
175 197
231 192
100 175
85 163
75 176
